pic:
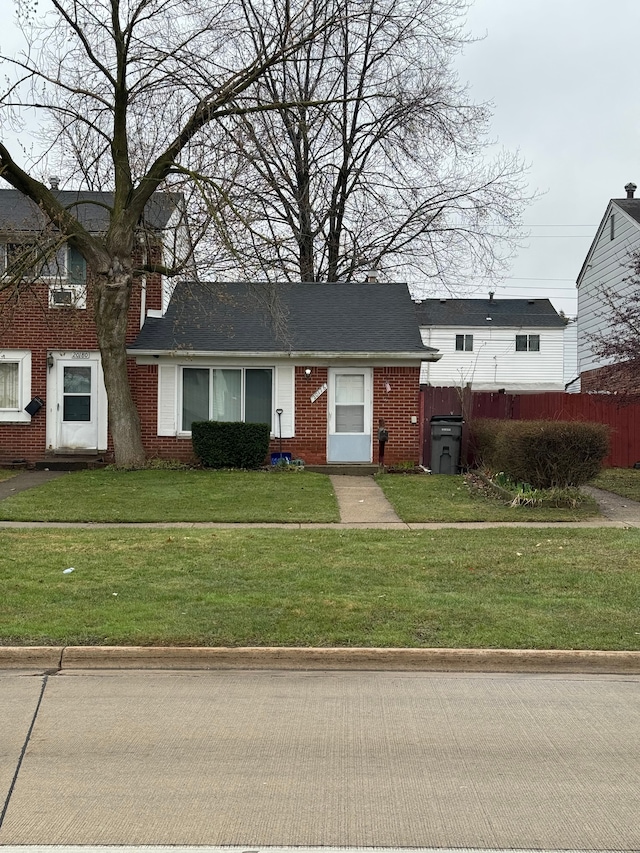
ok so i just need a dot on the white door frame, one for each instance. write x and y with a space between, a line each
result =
90 436
344 446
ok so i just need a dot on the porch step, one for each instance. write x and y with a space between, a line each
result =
70 463
346 469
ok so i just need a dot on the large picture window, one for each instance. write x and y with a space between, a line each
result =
226 394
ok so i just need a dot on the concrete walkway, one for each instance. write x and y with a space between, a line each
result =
26 480
362 501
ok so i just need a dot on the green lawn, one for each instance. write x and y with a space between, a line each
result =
507 588
444 498
156 495
253 496
6 474
622 481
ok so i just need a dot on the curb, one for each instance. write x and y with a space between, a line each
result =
65 659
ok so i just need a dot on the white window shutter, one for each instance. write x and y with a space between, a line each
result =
167 399
285 400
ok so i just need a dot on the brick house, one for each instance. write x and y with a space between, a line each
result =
323 370
49 358
329 364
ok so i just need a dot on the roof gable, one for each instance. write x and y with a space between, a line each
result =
235 317
474 313
630 208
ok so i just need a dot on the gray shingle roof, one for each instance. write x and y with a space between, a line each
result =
323 318
19 213
512 313
630 206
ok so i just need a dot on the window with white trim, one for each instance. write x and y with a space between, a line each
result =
527 343
464 343
31 260
15 385
63 267
226 394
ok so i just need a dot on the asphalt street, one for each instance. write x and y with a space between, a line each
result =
345 759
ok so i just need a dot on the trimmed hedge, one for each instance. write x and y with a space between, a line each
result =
544 454
221 444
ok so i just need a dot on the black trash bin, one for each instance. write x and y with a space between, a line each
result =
446 441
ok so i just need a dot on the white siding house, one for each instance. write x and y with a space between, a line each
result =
494 344
604 271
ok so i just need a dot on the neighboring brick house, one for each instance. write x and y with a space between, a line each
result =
49 356
606 271
515 345
345 356
325 368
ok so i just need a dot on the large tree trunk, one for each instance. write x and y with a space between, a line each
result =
112 297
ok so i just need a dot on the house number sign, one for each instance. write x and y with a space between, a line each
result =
319 392
81 355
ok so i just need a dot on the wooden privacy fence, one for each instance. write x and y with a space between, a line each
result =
622 418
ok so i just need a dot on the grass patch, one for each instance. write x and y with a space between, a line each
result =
157 495
439 497
516 588
621 481
6 474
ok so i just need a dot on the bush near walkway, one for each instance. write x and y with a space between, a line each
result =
544 454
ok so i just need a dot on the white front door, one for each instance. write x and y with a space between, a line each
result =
77 403
350 415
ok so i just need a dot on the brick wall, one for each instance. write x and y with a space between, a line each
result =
396 398
29 324
396 406
614 379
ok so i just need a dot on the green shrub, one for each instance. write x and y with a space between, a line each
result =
483 436
547 454
230 445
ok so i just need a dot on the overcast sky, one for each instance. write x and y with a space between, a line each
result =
563 77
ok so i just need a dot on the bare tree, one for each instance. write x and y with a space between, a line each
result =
392 171
130 88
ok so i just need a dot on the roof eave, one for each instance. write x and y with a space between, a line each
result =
320 355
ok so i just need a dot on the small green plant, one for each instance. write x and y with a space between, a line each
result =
523 494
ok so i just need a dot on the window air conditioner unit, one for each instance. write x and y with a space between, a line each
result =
63 298
70 296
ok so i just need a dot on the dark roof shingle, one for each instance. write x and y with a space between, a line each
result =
18 213
630 206
234 317
513 313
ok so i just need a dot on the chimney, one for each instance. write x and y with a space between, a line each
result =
630 188
54 180
371 276
491 295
